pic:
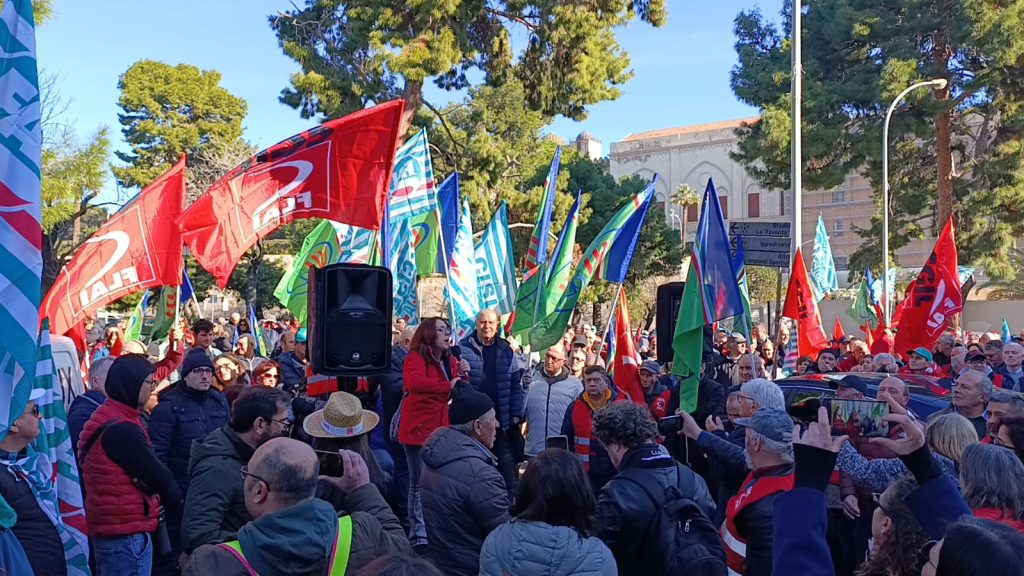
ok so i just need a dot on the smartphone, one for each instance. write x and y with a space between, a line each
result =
331 463
669 424
858 418
557 442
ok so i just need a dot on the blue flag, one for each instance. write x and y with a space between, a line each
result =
257 333
615 264
1007 335
742 323
186 287
448 198
823 266
495 266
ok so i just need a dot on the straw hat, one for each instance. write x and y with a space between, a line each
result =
342 417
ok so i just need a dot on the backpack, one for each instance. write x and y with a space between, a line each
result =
680 535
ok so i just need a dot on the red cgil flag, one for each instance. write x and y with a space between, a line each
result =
138 247
801 306
933 298
837 331
339 170
627 361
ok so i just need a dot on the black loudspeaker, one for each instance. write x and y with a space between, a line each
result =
349 317
669 297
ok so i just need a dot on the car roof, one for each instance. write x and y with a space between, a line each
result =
920 386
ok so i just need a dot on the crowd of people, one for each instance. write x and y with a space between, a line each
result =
471 456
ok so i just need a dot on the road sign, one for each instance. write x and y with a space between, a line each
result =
762 244
769 259
771 229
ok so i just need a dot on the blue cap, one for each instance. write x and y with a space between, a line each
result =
772 424
300 336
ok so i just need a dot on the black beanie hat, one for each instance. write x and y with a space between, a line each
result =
195 358
467 404
125 378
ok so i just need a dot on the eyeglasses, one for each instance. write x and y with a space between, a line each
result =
287 422
246 474
270 375
203 371
34 411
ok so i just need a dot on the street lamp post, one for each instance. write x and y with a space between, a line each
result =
937 84
673 216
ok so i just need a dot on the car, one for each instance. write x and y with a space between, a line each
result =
804 393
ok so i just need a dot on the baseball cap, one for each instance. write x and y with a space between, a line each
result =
737 337
975 355
923 353
845 339
300 336
772 424
651 366
580 341
855 382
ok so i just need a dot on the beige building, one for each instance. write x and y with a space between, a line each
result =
690 155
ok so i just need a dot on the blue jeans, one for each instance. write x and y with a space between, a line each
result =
417 528
130 555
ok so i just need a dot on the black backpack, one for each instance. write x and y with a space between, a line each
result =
680 535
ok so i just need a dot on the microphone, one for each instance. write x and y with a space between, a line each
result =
456 352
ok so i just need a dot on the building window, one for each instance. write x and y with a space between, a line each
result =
842 262
838 196
691 213
723 201
838 229
754 205
659 201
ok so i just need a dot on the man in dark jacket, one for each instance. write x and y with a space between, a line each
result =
32 526
494 371
296 533
293 364
464 496
625 507
215 503
85 404
189 410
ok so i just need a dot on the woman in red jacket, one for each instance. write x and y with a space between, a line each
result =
429 373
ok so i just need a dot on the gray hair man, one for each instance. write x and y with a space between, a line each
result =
943 347
1012 369
761 393
970 396
1003 404
295 532
552 390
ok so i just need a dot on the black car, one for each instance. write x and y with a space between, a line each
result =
804 393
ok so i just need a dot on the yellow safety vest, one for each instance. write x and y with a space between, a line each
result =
339 556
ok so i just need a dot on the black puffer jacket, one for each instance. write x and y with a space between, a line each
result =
184 415
464 499
625 511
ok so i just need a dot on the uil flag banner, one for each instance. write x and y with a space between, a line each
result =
21 236
802 306
403 269
412 184
139 247
934 297
338 170
823 266
495 266
462 281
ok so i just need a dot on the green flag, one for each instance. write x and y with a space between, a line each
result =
134 329
320 248
166 313
426 242
688 340
863 310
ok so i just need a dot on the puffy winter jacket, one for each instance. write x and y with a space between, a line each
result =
540 549
293 371
546 403
81 410
509 393
425 409
215 503
625 511
184 415
464 499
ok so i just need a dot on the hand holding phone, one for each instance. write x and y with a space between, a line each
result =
859 418
557 442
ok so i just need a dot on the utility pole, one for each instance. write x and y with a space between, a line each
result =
797 153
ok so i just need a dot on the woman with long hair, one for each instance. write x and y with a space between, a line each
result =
552 532
267 373
429 374
343 424
949 435
896 535
228 370
990 482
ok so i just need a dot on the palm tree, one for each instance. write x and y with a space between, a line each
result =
684 197
1012 288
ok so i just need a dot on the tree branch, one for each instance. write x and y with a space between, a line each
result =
531 26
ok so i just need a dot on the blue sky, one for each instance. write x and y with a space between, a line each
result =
681 70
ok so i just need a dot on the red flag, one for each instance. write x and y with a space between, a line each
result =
627 361
339 170
801 306
139 247
933 298
837 331
869 336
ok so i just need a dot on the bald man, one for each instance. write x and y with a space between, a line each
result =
552 390
294 532
1012 370
495 372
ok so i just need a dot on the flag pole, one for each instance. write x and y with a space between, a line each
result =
447 264
608 325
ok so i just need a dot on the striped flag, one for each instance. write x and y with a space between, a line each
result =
603 252
412 180
789 360
537 253
495 266
426 233
403 269
167 309
823 266
50 465
21 235
357 245
462 282
257 333
133 328
742 323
